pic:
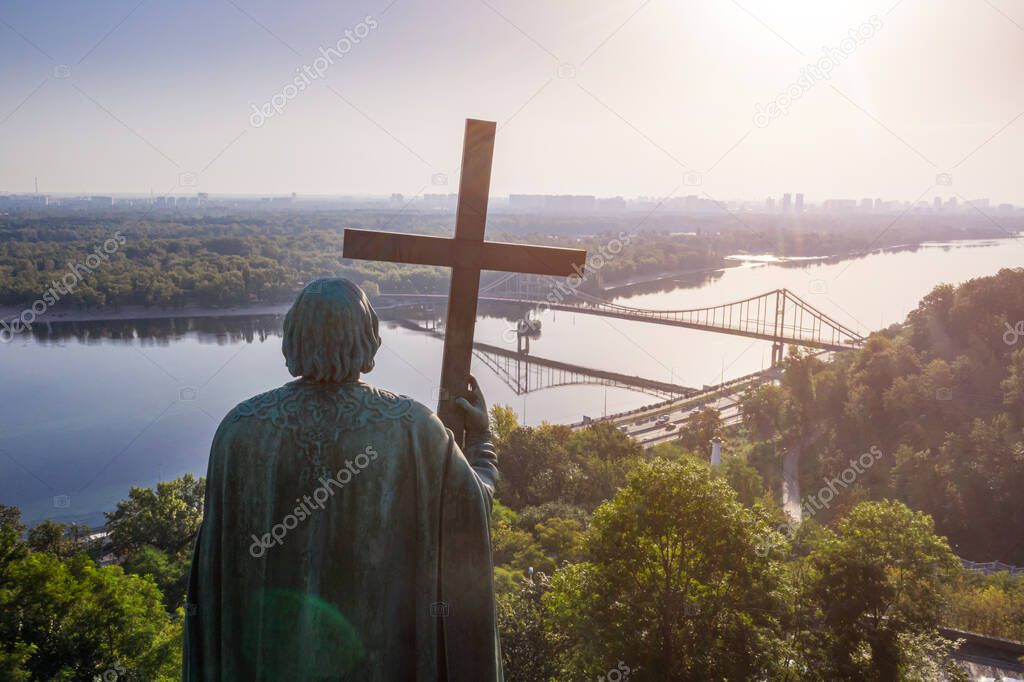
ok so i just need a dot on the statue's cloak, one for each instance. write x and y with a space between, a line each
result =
379 574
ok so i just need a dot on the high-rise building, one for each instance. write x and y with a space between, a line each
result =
800 203
769 204
569 203
610 204
840 205
526 202
787 201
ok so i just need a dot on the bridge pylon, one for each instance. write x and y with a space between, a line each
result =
778 353
522 343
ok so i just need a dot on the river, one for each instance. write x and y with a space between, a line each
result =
97 407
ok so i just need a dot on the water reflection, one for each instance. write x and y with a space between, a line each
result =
221 331
232 328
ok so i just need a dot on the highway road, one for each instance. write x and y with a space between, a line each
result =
649 431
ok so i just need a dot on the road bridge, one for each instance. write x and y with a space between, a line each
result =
525 373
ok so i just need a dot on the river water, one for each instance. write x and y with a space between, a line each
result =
98 407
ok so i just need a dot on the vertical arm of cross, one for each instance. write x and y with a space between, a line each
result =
470 220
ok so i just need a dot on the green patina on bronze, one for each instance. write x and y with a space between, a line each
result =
345 534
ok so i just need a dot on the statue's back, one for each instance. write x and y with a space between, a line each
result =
339 520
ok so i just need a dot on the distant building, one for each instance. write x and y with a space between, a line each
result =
441 202
610 204
866 205
75 202
526 202
787 201
937 204
570 203
769 204
840 205
800 203
9 201
558 203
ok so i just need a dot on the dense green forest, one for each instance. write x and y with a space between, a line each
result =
172 260
614 561
172 264
941 396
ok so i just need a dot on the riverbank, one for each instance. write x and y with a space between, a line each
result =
694 278
684 278
150 313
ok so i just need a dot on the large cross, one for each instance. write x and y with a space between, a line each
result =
467 254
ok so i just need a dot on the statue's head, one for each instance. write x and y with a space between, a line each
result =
330 332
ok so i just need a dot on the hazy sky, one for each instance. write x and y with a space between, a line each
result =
591 96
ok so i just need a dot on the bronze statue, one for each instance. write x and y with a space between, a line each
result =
346 535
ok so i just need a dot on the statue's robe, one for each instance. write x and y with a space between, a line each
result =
387 579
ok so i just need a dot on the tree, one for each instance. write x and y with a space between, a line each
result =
167 518
762 411
11 546
513 550
534 465
601 456
554 463
51 536
528 650
503 421
560 538
876 582
1013 387
674 582
743 478
73 620
991 604
695 436
169 574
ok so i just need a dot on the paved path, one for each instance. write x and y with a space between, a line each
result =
791 483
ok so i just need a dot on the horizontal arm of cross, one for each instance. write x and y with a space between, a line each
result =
501 256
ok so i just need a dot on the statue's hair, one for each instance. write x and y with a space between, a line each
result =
330 332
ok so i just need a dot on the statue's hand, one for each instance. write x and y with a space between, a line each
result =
475 408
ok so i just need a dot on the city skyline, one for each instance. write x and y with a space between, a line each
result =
787 204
